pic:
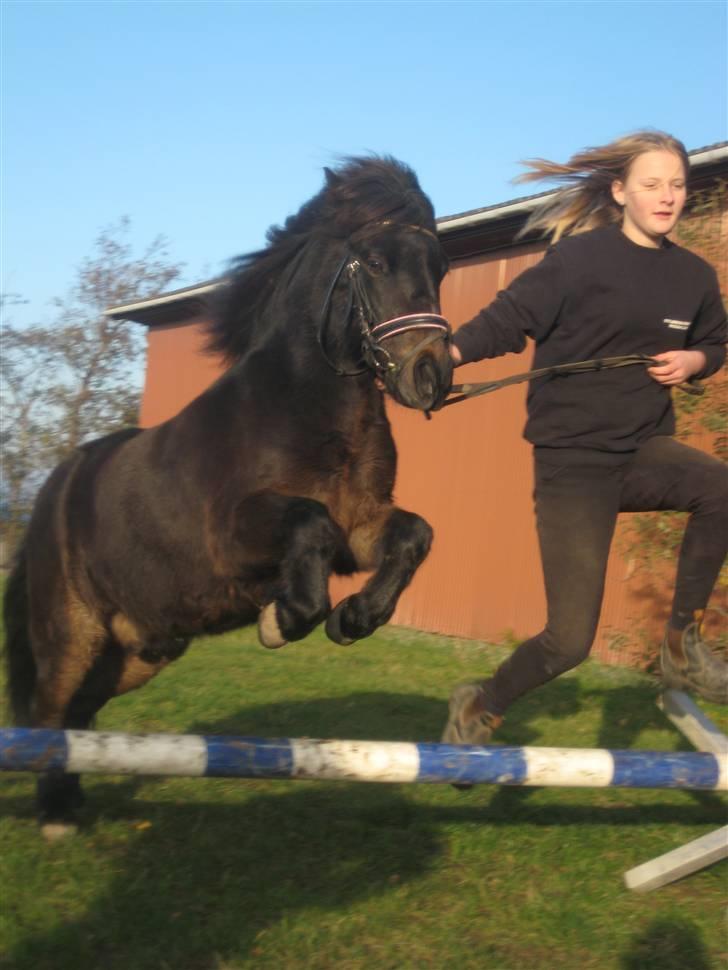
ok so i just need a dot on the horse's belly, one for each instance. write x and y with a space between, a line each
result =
225 605
168 606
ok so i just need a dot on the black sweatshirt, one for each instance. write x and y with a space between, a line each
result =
598 294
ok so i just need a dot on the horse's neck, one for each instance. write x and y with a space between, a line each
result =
291 381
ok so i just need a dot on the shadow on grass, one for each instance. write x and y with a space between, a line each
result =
204 882
627 711
667 944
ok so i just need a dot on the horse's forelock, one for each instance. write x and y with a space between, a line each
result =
361 191
373 188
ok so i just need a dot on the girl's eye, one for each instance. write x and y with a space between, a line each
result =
656 185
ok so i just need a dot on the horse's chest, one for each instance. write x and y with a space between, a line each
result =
355 494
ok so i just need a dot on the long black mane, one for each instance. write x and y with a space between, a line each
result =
361 191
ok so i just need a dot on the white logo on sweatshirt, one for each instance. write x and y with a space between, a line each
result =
677 324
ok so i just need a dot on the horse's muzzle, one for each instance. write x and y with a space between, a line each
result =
424 381
415 364
432 382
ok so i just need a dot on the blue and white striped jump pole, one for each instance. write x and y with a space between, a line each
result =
24 749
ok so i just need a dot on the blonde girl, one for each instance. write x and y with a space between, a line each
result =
611 284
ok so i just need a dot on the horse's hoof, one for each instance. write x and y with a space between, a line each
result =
58 831
269 633
333 627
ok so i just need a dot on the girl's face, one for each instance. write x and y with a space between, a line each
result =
652 196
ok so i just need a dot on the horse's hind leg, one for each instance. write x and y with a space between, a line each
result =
310 541
64 657
58 793
395 548
115 670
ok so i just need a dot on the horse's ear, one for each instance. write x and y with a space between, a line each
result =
332 179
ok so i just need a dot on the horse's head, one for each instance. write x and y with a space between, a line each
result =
382 307
362 262
393 272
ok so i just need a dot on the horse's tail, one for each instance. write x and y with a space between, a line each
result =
19 660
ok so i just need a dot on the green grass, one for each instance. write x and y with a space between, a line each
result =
198 874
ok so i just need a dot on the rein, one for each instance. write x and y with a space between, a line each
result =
464 391
375 356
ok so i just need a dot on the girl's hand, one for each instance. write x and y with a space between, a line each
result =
677 366
455 355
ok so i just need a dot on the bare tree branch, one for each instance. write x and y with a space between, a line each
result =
64 384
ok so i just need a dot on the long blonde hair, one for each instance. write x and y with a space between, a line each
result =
586 202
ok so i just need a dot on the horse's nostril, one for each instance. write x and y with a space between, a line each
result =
425 374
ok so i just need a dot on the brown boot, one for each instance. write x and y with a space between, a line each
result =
686 663
469 722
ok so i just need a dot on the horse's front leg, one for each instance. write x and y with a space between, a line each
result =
310 545
395 551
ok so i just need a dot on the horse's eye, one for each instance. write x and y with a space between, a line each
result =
375 265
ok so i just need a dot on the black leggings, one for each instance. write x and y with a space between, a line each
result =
576 512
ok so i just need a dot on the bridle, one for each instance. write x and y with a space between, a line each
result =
375 356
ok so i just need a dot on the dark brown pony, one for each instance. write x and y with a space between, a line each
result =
239 509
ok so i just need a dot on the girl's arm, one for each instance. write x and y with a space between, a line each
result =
527 308
705 350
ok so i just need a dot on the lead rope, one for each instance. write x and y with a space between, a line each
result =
464 391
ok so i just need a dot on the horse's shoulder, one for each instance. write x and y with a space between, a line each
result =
109 442
92 456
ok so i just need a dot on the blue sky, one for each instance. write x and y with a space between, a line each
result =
208 122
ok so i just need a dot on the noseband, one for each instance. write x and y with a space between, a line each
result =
376 357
